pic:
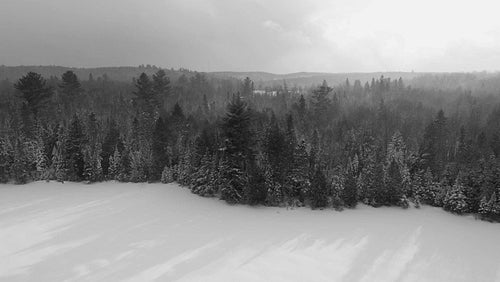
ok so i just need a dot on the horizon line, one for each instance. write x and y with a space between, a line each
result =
253 71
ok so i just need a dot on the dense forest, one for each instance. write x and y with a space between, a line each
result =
381 142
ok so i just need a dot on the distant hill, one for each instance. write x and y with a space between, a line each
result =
268 79
113 73
482 81
313 78
474 80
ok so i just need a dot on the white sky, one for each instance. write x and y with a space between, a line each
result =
249 35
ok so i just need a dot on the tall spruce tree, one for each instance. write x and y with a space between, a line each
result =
161 87
394 185
318 194
146 105
434 150
70 85
21 164
321 105
114 165
161 83
59 166
160 148
34 91
455 200
255 192
74 149
298 181
71 90
275 149
238 149
349 193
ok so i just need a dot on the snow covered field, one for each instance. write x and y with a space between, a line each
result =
147 232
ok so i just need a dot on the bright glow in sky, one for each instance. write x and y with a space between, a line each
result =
267 35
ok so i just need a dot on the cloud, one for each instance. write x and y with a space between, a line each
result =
272 26
277 36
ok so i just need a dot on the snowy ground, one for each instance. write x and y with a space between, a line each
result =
147 232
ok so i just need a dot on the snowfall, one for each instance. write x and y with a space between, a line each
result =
156 232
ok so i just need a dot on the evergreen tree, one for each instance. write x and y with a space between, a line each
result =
34 91
394 185
124 168
349 194
71 90
20 167
434 150
139 165
92 131
161 84
396 150
298 177
464 150
378 187
237 132
337 186
301 108
321 105
319 190
146 106
167 175
427 194
28 121
202 178
40 157
290 135
74 150
88 171
273 187
276 151
232 183
455 200
114 165
136 167
59 167
255 192
185 168
160 148
70 85
473 177
314 154
367 179
144 94
92 171
364 184
490 208
177 113
238 150
290 140
417 189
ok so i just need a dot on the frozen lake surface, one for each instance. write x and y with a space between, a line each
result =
156 232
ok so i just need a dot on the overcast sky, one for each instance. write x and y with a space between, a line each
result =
254 35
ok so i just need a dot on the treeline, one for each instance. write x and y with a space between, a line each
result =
381 142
